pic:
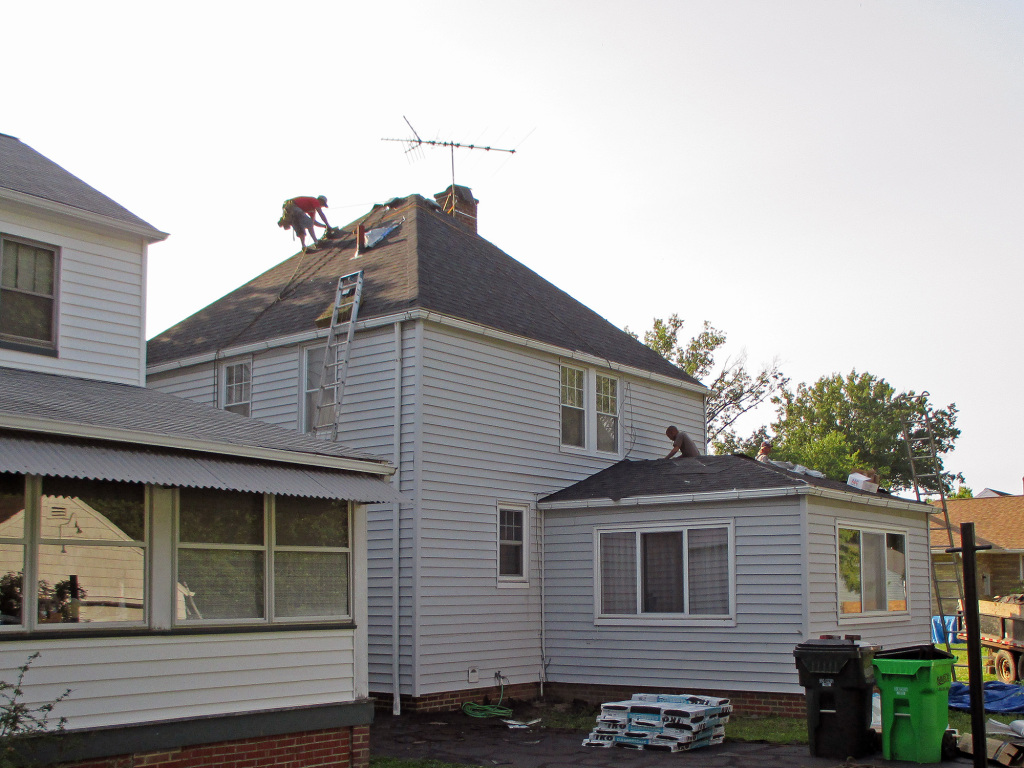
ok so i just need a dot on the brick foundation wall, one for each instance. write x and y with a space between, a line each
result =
744 702
449 701
347 747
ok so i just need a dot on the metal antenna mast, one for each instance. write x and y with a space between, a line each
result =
416 143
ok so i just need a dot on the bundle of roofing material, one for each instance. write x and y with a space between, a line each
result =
666 722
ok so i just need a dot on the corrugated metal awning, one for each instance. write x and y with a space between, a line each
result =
66 458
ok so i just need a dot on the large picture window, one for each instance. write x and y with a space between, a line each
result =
243 557
88 562
872 569
666 572
28 293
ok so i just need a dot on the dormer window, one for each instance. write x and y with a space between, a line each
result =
28 294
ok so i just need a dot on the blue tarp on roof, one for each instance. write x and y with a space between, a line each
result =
999 697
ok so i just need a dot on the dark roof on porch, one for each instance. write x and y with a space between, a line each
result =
703 474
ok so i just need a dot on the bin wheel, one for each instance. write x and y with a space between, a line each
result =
1006 667
1020 666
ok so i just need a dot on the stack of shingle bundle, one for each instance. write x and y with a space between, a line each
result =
661 721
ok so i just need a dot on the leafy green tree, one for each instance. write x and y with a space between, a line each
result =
962 492
841 423
734 389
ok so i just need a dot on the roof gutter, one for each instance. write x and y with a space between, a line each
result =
114 434
733 495
440 319
151 234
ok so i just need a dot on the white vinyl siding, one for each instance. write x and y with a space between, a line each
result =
100 299
883 628
126 680
480 426
768 603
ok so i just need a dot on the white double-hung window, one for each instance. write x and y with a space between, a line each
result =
682 572
237 385
589 404
513 543
872 570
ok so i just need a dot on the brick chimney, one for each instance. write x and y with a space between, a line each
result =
463 201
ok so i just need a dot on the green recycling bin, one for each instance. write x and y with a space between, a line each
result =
914 685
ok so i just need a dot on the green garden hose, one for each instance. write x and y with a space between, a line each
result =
488 710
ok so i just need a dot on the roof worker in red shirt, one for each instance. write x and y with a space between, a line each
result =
311 206
300 222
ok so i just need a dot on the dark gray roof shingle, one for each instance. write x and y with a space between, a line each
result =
22 169
147 412
703 474
428 262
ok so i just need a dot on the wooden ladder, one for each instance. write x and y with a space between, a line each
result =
344 312
926 472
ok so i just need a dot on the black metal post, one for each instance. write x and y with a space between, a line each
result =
972 622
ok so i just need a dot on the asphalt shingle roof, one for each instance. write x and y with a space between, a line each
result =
22 169
997 521
147 412
429 262
703 474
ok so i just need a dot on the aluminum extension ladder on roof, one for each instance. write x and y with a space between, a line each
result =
345 311
928 477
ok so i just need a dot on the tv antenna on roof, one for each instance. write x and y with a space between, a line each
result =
416 143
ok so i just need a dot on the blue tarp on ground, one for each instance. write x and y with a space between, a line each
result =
999 697
937 629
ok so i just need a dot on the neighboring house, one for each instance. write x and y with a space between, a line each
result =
999 522
703 575
487 387
195 578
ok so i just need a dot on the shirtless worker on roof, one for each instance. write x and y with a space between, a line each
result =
681 444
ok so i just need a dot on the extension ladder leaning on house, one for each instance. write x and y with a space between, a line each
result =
344 312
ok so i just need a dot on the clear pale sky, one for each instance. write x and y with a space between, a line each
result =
839 184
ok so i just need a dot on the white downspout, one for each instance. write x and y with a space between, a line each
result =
542 521
396 529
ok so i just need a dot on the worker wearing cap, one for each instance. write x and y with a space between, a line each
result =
681 444
762 454
311 206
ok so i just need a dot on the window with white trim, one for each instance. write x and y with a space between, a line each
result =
872 571
82 543
607 414
250 558
574 429
513 527
238 388
590 408
313 368
28 293
665 572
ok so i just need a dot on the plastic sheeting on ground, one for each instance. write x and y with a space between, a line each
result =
999 697
937 629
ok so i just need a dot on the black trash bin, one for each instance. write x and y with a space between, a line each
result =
838 679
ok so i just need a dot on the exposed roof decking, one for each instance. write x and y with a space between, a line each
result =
429 262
